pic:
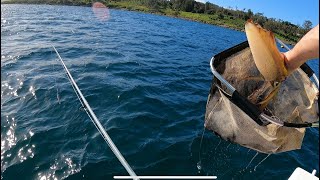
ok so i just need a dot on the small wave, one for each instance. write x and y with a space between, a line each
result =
127 65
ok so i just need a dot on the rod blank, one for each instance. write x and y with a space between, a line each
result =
96 122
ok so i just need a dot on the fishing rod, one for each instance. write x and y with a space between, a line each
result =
96 122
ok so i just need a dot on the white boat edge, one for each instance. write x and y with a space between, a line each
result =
301 174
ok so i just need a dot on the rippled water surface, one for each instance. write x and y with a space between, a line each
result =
147 78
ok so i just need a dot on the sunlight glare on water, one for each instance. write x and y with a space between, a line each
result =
61 168
8 144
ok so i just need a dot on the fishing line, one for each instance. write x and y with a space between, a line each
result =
252 160
58 97
203 131
204 128
57 90
248 151
218 144
95 121
199 163
261 162
55 83
228 145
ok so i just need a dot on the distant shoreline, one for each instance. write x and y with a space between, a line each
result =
143 11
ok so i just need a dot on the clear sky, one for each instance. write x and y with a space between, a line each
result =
294 11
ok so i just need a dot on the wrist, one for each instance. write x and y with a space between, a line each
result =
286 59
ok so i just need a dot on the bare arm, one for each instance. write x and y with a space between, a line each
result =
307 48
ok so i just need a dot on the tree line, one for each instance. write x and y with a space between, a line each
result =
280 27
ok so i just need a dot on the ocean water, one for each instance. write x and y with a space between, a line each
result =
146 77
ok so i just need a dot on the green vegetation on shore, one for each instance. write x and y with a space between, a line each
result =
202 12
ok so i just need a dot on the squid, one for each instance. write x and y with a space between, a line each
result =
268 59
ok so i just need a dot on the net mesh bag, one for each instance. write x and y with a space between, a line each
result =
296 102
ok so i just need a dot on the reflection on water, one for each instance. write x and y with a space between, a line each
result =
10 154
60 169
25 152
33 92
9 140
11 85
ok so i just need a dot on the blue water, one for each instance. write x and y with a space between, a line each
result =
146 77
